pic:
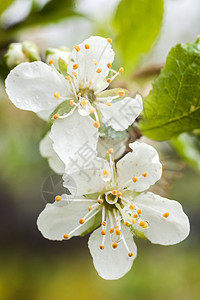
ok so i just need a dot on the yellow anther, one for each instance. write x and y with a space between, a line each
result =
112 230
99 70
145 225
126 224
139 211
142 223
77 48
92 110
90 208
133 220
121 93
121 70
75 66
103 232
144 174
116 227
114 245
66 236
58 198
108 103
87 46
96 124
71 102
95 62
109 80
56 116
130 254
118 232
83 102
109 40
100 201
79 94
74 73
114 192
81 221
90 82
109 65
166 215
101 247
51 61
105 172
132 206
110 151
119 194
136 216
135 179
103 223
57 95
68 78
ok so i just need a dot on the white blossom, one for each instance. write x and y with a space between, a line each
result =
116 200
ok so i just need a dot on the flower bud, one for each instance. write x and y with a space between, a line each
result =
21 52
54 54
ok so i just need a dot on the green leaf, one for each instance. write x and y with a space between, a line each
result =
62 66
138 233
173 105
96 222
4 4
188 146
52 11
112 93
109 132
62 109
137 24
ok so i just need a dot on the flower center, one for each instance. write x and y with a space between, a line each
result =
111 198
89 94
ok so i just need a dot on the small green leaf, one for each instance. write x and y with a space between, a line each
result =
173 105
96 221
188 146
62 109
112 93
62 66
137 24
138 233
109 132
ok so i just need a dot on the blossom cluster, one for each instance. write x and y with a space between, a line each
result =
72 91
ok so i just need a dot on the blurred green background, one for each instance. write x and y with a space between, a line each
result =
34 268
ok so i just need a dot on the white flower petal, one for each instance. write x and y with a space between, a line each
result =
100 50
62 217
165 231
47 151
122 113
74 136
31 86
143 158
112 263
88 178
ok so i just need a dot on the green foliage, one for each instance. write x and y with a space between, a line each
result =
62 66
188 146
173 105
62 109
4 5
137 24
52 11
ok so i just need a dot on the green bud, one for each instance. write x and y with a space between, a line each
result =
21 52
59 56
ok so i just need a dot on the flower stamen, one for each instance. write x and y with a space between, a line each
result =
166 215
